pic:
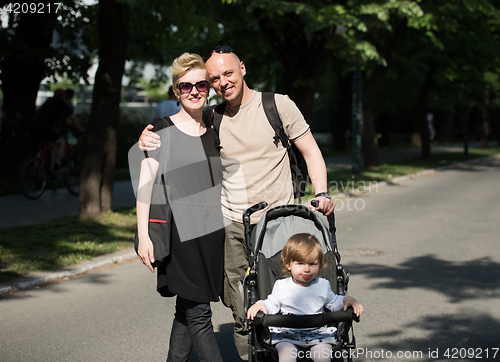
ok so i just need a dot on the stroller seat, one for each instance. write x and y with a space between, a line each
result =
267 240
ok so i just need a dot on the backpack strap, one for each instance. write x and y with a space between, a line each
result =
271 111
272 114
217 120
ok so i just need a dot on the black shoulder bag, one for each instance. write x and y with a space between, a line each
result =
160 215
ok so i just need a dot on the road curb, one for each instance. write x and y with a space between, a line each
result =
40 278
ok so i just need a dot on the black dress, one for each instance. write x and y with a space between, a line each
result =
194 269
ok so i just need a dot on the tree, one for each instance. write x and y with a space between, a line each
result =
96 184
302 36
128 30
387 24
25 45
370 88
28 54
445 64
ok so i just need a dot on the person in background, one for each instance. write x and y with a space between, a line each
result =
66 126
168 107
45 121
430 124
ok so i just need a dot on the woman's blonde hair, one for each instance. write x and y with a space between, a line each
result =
183 64
303 248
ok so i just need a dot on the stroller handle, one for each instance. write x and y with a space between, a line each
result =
304 321
331 217
246 222
254 208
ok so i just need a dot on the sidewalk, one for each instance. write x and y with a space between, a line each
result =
16 210
341 162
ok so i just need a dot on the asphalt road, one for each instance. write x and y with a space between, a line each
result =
423 257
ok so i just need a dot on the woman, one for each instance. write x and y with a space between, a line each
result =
194 269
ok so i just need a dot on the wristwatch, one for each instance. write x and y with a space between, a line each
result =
324 194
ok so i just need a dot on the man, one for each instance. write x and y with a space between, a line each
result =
168 107
256 169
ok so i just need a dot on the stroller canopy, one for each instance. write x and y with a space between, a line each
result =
278 224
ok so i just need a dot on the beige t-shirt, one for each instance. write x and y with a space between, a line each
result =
255 167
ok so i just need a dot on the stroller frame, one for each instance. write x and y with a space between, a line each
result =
259 337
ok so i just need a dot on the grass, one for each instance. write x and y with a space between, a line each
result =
343 181
63 242
327 150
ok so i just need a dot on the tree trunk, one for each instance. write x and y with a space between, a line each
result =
369 134
22 71
303 57
369 140
343 116
96 185
485 118
304 64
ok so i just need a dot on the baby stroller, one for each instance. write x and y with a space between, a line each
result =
264 247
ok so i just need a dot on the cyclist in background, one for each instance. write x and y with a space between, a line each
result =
45 121
67 127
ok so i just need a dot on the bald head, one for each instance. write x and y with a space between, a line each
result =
223 62
226 72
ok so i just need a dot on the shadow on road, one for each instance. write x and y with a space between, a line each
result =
463 336
456 280
226 342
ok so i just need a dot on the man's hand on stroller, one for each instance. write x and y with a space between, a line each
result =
255 308
323 203
351 302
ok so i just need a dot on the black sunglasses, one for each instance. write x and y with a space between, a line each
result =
186 87
221 49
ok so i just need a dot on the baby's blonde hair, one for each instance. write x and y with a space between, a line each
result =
303 248
183 64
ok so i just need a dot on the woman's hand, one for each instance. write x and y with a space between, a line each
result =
351 302
149 141
254 309
145 251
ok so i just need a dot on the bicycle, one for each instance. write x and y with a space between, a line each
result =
35 172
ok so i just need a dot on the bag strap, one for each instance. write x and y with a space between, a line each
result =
167 123
271 111
272 114
274 119
217 120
